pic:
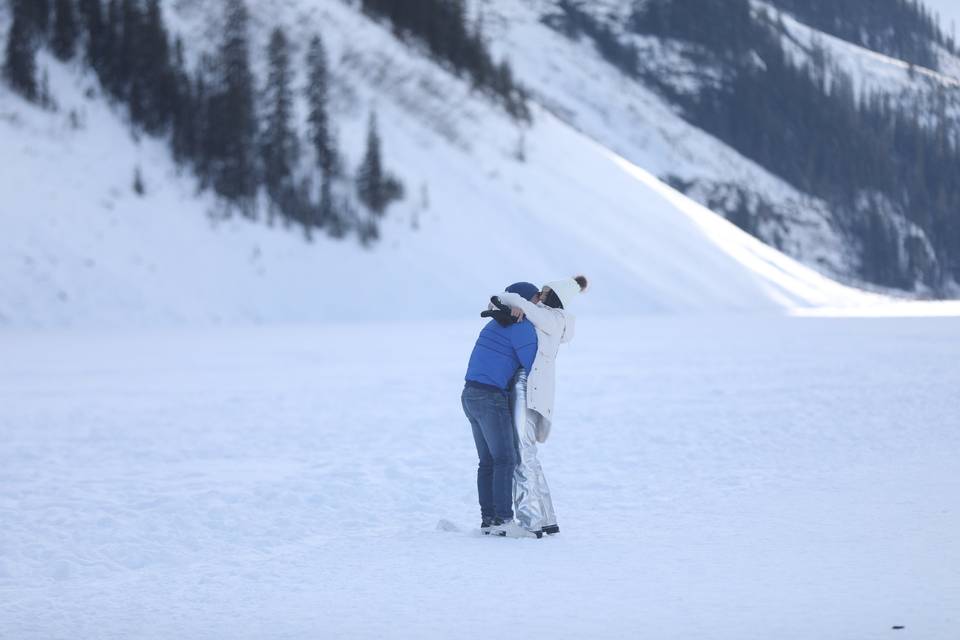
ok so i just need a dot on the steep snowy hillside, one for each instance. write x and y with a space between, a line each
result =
81 248
931 95
635 116
870 71
575 82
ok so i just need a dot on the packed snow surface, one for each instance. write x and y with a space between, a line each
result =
716 477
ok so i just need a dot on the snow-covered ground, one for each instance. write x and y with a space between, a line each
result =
716 476
722 477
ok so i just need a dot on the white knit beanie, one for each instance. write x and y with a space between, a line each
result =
567 290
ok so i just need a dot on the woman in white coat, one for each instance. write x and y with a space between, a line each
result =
533 411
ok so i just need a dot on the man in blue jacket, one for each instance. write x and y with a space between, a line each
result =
499 351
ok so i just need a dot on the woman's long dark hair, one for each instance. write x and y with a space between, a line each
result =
553 300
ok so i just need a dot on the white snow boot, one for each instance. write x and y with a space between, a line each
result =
510 529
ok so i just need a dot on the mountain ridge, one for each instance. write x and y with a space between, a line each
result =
476 215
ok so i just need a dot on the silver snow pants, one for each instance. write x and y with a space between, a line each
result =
531 495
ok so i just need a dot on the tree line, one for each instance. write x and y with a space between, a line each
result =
444 27
573 21
240 138
863 154
904 29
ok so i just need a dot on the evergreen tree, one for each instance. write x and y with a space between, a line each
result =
279 146
370 177
330 214
20 66
327 215
479 64
154 72
184 106
91 12
317 93
36 15
127 82
64 30
376 189
231 118
458 39
109 52
203 143
113 28
443 26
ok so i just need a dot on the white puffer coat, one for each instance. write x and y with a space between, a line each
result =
554 327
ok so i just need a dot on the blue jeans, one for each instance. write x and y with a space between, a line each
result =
489 414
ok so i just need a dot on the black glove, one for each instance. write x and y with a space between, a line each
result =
502 317
501 314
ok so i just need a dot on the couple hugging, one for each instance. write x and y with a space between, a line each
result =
508 399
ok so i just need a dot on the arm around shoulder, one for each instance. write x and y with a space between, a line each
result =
542 318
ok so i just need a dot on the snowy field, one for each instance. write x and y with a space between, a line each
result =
715 477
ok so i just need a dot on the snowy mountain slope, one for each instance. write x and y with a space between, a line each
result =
869 70
80 248
574 80
858 55
84 249
930 96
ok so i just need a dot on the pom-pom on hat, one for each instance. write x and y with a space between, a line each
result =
568 289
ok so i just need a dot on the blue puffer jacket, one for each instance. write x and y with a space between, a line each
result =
500 350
